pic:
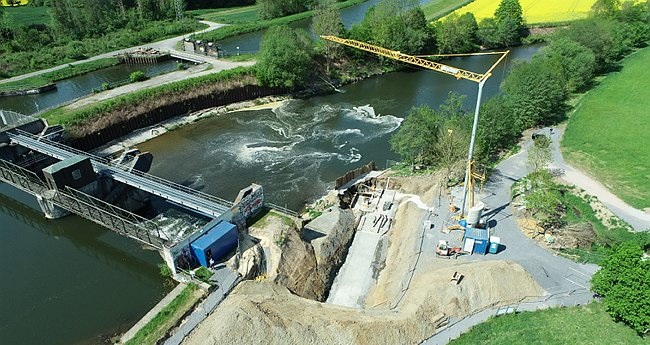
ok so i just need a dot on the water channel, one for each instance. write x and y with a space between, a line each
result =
297 150
82 85
68 281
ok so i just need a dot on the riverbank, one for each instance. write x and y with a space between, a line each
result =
43 81
146 134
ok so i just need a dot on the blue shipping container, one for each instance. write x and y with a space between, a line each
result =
215 243
481 239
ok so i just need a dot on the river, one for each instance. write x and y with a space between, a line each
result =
297 150
68 281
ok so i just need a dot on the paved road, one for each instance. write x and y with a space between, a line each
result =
555 274
638 219
164 45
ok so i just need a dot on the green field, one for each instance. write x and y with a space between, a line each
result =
237 15
575 325
607 136
435 9
27 15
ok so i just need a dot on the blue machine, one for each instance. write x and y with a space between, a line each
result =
215 243
481 239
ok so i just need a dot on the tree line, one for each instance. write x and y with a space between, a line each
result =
84 28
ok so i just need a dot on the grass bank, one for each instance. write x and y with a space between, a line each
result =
28 15
250 22
60 74
167 317
607 134
575 325
535 11
579 210
437 9
100 115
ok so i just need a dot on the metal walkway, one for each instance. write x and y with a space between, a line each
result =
189 198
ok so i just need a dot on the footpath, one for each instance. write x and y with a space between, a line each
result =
638 219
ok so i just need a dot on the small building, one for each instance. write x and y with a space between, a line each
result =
215 243
476 240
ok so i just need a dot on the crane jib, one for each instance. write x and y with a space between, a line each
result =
413 60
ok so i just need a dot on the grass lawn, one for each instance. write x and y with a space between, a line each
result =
439 8
575 325
607 135
236 15
535 11
27 15
167 317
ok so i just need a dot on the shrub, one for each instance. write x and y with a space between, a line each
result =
137 76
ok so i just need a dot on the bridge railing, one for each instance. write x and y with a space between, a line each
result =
191 191
11 119
87 206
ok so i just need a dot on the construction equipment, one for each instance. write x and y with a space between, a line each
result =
459 73
444 250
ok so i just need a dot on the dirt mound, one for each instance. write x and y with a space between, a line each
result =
258 312
308 268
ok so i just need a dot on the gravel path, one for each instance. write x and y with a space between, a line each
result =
638 219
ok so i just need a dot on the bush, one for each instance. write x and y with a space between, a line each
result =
203 274
624 281
137 76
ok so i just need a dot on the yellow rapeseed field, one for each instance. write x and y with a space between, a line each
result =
535 11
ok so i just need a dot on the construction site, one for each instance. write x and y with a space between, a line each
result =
385 258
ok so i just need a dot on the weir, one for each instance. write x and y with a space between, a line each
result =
109 192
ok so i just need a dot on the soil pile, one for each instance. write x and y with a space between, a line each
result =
258 312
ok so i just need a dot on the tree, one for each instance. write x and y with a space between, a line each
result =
577 62
624 281
543 200
279 8
539 154
327 21
535 93
603 37
285 57
457 34
423 137
510 22
496 130
488 33
395 24
605 8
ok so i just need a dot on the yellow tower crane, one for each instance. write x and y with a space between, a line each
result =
459 73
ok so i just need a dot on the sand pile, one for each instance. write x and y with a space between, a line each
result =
260 312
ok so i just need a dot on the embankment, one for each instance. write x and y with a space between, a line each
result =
92 126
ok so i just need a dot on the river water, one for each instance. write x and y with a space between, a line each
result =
297 150
82 85
68 281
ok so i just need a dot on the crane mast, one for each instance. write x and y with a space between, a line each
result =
459 73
